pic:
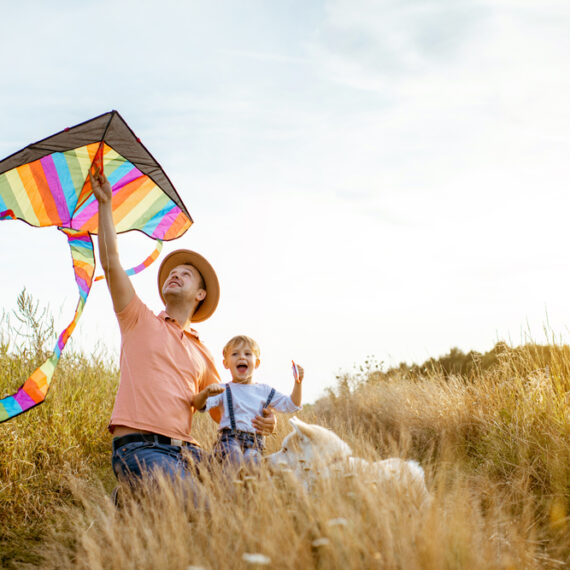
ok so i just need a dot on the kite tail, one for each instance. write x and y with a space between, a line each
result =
138 268
34 389
7 215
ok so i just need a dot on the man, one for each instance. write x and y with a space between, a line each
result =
163 363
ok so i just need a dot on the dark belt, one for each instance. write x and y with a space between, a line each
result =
243 435
239 432
152 437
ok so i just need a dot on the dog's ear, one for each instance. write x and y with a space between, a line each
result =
303 429
295 424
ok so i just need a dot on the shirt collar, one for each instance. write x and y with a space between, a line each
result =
188 330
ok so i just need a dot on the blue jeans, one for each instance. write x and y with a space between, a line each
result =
135 460
239 448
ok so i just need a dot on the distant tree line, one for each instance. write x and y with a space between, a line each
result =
552 359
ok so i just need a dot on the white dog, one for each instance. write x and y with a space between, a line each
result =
311 451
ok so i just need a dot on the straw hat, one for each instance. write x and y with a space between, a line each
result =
182 256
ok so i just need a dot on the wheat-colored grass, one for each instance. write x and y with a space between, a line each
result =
495 447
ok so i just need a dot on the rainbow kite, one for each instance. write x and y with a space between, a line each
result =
47 184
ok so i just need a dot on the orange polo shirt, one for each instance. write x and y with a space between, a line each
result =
162 367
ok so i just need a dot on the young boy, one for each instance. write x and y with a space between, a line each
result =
241 400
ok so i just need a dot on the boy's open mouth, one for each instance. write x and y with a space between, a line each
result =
241 367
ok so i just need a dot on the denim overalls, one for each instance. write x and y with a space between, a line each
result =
236 446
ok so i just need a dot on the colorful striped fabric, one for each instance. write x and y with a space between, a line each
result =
138 268
34 389
47 184
55 191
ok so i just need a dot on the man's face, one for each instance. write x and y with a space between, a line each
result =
185 282
241 361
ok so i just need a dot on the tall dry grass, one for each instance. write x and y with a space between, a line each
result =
495 447
65 436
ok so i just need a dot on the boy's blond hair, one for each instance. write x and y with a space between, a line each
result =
238 341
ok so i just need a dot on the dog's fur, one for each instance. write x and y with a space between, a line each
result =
311 452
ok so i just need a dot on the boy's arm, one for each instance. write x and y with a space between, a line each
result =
297 393
199 400
266 423
118 281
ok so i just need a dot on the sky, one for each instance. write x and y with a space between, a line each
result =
369 178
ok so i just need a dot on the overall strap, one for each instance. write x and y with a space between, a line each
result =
269 398
231 407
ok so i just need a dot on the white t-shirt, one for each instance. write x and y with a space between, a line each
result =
248 401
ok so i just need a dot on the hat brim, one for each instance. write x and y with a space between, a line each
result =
185 256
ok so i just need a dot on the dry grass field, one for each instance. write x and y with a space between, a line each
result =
495 445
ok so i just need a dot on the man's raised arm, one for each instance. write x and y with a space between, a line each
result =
118 281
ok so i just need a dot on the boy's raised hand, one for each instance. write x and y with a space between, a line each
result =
298 372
